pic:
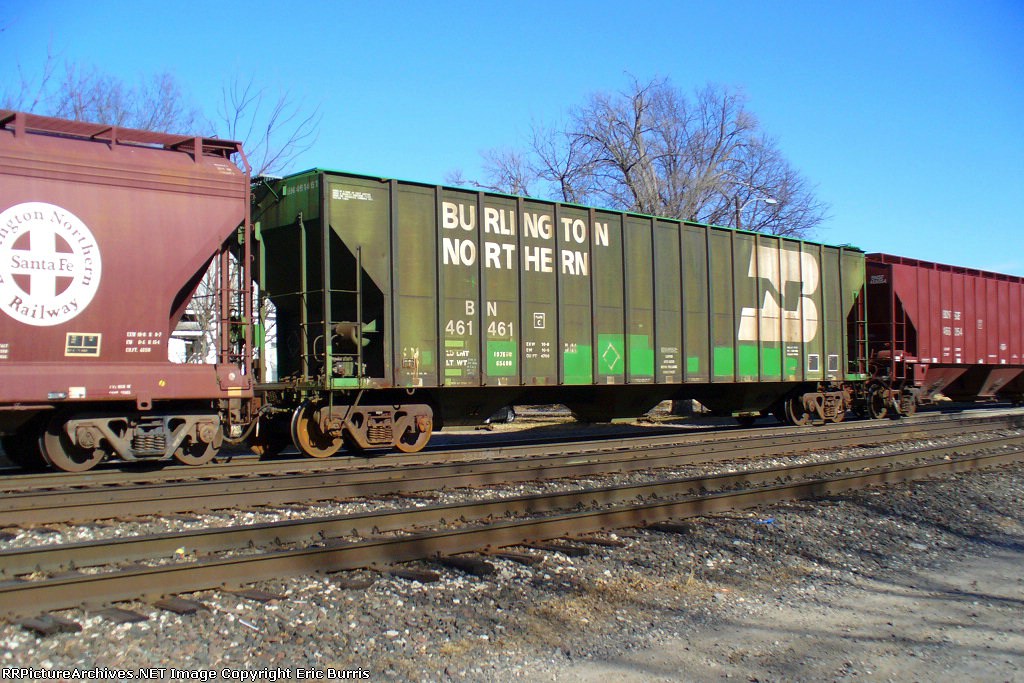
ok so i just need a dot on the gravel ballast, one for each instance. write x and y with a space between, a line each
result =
913 581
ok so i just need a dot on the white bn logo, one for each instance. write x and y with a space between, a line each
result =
49 264
799 315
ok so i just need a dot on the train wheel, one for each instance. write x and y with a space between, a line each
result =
908 404
195 453
201 444
58 450
307 435
877 404
413 441
796 414
413 425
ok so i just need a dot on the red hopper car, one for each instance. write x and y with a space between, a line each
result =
105 233
935 329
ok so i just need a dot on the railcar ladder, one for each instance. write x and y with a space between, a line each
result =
899 341
858 361
318 355
234 302
332 357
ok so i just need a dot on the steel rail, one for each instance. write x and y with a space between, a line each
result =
153 582
26 482
99 503
328 529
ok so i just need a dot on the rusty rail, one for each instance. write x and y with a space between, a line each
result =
99 502
662 501
246 465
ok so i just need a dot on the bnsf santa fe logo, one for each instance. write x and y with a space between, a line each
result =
49 264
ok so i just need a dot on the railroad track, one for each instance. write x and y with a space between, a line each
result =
473 448
109 497
374 539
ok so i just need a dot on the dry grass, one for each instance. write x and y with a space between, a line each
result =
596 605
458 648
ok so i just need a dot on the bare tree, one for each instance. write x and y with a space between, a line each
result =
29 93
568 166
197 329
86 94
562 169
655 150
273 129
767 194
509 170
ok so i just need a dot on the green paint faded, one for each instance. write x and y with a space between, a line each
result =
453 372
748 360
641 356
501 358
771 362
723 362
579 365
344 382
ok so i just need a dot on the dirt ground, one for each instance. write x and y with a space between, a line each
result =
962 624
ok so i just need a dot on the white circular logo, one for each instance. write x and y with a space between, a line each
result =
49 264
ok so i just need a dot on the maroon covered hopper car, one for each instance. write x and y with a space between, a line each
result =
936 329
105 233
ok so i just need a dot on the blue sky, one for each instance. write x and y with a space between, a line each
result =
907 116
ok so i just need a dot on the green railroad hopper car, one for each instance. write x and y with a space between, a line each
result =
401 307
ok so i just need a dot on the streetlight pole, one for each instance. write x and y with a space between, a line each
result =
739 209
